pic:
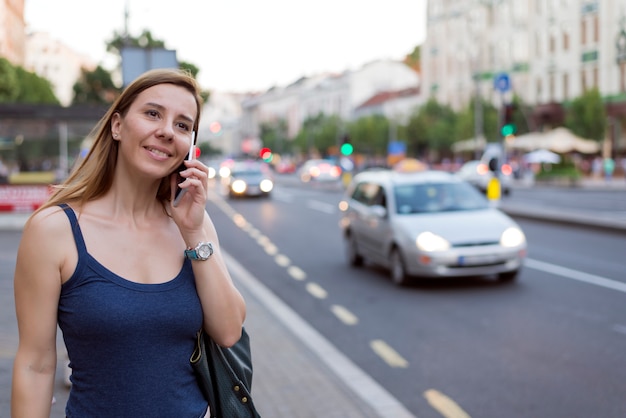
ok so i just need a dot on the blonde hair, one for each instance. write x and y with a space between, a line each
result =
93 177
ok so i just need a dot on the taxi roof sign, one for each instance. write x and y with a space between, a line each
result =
410 165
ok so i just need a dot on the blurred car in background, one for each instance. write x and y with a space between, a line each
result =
478 174
319 170
247 178
428 224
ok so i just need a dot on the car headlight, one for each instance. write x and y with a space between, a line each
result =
427 241
238 186
266 185
512 237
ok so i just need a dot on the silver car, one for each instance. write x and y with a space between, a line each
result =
428 224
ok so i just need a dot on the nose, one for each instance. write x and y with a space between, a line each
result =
165 131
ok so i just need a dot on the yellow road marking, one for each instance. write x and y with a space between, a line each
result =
388 354
344 315
444 405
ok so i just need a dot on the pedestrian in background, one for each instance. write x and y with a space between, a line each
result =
129 277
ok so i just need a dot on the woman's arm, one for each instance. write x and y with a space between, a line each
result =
37 286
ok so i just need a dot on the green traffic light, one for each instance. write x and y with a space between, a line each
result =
508 129
347 149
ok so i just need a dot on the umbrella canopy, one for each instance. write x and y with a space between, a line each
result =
560 140
542 156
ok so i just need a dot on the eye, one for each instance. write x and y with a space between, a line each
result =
152 113
184 126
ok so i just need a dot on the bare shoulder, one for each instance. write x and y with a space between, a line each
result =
49 221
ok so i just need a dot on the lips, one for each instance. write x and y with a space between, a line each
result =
158 152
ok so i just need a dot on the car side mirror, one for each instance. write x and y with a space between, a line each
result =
378 211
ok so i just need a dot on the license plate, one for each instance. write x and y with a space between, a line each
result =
474 260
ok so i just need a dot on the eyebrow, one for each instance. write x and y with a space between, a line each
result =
161 107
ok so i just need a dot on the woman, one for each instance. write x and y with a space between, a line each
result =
128 276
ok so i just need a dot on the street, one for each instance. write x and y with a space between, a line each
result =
526 349
550 344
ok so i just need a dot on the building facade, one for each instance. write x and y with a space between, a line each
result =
54 61
552 51
330 94
12 27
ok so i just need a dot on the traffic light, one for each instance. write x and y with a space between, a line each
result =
266 154
508 125
346 145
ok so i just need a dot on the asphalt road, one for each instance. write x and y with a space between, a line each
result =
530 348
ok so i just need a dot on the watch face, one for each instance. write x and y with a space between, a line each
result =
204 251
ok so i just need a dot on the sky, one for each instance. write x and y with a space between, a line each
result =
243 45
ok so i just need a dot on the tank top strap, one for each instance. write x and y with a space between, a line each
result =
78 235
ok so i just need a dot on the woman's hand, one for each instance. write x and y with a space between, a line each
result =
190 211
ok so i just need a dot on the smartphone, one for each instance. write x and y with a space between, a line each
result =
192 153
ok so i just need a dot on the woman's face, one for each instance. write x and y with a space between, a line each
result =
156 133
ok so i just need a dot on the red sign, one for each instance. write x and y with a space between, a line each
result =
15 198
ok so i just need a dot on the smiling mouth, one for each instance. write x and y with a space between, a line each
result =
158 152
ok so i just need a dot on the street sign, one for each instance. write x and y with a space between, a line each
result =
502 82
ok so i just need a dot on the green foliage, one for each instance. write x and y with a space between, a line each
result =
318 134
34 89
9 89
586 116
274 136
431 128
20 86
370 135
95 87
120 40
413 60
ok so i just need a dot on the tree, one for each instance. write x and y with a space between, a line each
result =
274 136
20 86
33 89
431 130
95 87
413 59
9 89
146 40
586 116
370 135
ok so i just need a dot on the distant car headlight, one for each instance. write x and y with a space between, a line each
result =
238 186
266 185
512 237
224 172
427 241
212 173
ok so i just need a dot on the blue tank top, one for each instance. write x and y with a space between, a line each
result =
129 343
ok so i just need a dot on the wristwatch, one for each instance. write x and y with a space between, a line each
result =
202 252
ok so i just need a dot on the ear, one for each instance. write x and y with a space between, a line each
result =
116 125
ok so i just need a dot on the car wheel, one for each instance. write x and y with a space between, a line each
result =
508 276
397 270
352 253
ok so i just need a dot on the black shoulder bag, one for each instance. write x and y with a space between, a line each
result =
225 376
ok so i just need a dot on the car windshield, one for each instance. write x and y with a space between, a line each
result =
437 197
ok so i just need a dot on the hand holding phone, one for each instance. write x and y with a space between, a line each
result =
192 153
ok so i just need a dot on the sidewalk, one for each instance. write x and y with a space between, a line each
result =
298 373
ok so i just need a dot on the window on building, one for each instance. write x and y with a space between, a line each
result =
552 44
583 81
565 86
551 87
565 40
596 80
596 29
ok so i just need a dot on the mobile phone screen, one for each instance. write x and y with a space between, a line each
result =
192 151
